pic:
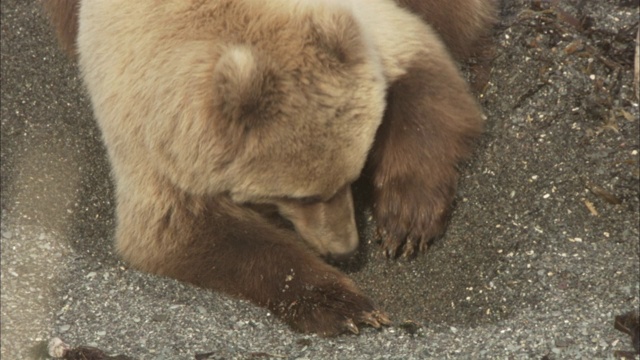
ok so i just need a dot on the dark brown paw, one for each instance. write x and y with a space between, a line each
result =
332 308
409 215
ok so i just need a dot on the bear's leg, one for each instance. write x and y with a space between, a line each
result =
430 123
229 248
464 25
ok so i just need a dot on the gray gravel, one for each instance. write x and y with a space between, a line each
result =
542 251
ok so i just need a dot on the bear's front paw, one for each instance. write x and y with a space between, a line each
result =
410 214
332 308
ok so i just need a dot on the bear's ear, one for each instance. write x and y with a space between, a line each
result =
339 34
246 87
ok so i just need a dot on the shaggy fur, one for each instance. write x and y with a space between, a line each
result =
463 24
63 15
216 114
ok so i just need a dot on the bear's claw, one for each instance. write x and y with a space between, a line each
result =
375 319
408 220
351 326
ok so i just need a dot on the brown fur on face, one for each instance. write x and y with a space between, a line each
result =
327 226
210 109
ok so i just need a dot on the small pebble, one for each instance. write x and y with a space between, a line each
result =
64 328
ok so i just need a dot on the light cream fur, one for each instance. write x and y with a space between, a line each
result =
261 100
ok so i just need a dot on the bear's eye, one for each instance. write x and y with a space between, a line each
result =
308 200
305 200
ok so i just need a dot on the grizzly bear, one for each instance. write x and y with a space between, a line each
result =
216 115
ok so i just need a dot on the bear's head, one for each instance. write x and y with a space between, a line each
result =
299 106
